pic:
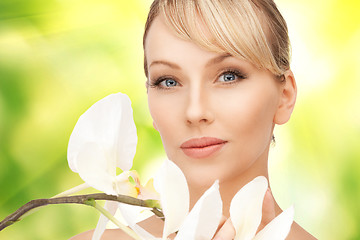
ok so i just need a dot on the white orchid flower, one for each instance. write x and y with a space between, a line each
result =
103 139
203 220
246 213
129 215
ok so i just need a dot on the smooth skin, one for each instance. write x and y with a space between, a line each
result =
194 93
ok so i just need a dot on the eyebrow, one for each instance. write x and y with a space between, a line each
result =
217 59
160 62
212 61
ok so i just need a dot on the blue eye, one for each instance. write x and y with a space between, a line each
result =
169 83
231 76
164 83
227 77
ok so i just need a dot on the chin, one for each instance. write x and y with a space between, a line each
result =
201 176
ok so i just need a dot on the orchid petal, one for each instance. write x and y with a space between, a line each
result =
108 123
124 186
278 228
203 220
93 173
101 226
148 191
142 232
127 135
97 176
246 208
174 196
133 215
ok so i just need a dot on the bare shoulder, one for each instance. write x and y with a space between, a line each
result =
108 234
298 233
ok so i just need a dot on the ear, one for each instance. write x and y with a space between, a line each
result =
287 98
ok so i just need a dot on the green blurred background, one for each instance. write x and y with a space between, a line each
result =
58 57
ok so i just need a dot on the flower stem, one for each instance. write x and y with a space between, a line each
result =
72 190
78 199
124 228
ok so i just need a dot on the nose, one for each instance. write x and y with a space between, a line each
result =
198 107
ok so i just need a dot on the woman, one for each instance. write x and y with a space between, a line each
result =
219 80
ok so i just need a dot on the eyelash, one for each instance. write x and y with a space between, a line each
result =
156 83
240 76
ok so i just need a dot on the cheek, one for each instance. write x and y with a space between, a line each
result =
156 110
250 115
164 117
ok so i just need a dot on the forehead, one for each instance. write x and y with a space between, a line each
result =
163 49
163 42
240 28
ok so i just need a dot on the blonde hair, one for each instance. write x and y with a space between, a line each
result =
253 30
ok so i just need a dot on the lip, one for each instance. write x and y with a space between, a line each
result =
202 147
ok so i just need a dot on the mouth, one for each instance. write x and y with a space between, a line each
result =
202 147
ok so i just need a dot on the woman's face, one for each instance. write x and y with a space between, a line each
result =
214 112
